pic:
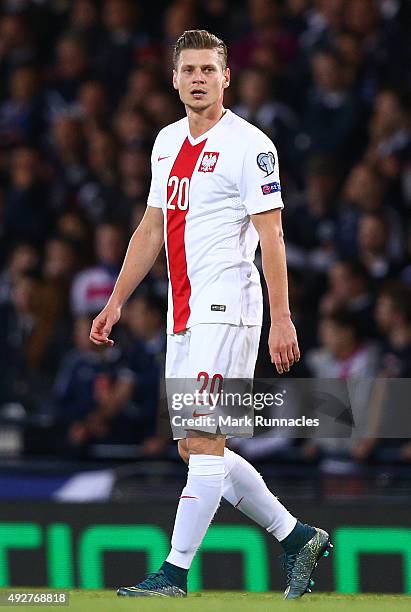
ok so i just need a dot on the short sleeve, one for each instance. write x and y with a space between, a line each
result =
259 182
154 197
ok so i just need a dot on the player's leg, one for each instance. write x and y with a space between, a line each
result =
303 544
197 505
210 355
198 502
245 489
199 499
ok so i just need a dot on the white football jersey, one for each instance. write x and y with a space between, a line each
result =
207 188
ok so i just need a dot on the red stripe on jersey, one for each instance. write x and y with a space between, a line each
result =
183 167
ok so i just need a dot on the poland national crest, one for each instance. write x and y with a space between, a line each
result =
208 162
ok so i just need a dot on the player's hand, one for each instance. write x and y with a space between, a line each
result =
102 325
283 345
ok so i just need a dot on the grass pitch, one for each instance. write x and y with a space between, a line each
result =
227 601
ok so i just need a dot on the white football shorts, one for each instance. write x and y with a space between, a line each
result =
206 366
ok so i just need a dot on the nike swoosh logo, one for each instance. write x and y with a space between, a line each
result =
163 157
200 414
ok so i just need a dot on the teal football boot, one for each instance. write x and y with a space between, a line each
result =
156 584
300 565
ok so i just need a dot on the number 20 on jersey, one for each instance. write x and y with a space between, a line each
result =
179 192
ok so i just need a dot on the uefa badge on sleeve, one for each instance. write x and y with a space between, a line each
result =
266 162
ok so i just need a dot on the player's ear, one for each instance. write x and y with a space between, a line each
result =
175 80
226 81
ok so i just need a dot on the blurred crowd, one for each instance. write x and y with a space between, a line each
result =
84 89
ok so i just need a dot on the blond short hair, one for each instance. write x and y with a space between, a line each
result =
200 39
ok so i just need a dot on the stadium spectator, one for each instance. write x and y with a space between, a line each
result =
131 126
114 396
393 315
68 161
27 214
389 128
331 114
16 47
21 115
349 48
84 22
363 192
379 37
311 219
349 288
92 287
389 149
362 18
93 106
23 257
61 261
73 225
161 107
71 69
23 336
257 105
99 196
142 82
324 25
345 355
88 394
144 357
373 245
133 164
120 46
179 16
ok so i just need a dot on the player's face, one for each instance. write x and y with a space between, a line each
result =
200 78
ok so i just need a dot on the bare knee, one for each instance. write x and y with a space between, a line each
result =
205 444
183 450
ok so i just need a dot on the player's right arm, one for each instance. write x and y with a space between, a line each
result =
143 249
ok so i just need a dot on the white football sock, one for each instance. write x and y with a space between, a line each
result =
198 503
245 489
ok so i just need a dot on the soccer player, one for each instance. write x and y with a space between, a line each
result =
215 192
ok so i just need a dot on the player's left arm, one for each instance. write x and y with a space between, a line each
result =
282 341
